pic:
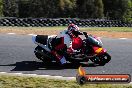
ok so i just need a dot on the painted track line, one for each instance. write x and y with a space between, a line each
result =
31 34
35 75
123 38
11 33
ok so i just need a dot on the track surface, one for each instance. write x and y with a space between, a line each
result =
16 55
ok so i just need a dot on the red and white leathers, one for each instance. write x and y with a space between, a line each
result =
71 43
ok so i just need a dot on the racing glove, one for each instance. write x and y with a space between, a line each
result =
71 50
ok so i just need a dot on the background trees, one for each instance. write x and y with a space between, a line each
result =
127 10
98 9
118 9
85 8
1 7
67 8
110 9
10 8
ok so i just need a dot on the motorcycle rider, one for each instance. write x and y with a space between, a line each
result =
66 40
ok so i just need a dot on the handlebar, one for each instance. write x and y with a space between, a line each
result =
85 34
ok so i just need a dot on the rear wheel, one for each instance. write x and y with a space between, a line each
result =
42 54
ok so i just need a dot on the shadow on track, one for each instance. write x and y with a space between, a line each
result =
33 65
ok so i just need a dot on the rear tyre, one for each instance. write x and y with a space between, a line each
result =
39 53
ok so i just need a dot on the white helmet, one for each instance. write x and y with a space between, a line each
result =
73 30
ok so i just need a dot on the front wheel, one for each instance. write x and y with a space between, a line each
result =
106 57
102 59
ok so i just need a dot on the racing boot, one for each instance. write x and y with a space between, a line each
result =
59 58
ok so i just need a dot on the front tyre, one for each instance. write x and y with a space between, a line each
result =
102 59
106 57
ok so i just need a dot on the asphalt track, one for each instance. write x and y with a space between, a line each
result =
16 56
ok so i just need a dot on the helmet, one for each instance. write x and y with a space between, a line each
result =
73 30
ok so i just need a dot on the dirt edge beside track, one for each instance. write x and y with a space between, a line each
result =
54 32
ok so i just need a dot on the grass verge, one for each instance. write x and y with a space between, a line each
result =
117 29
37 82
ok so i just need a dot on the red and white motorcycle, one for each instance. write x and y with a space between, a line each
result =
91 50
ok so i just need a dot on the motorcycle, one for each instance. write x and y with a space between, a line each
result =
92 50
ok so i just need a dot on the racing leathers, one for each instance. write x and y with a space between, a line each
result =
63 41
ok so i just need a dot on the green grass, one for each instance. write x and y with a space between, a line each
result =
37 82
117 29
